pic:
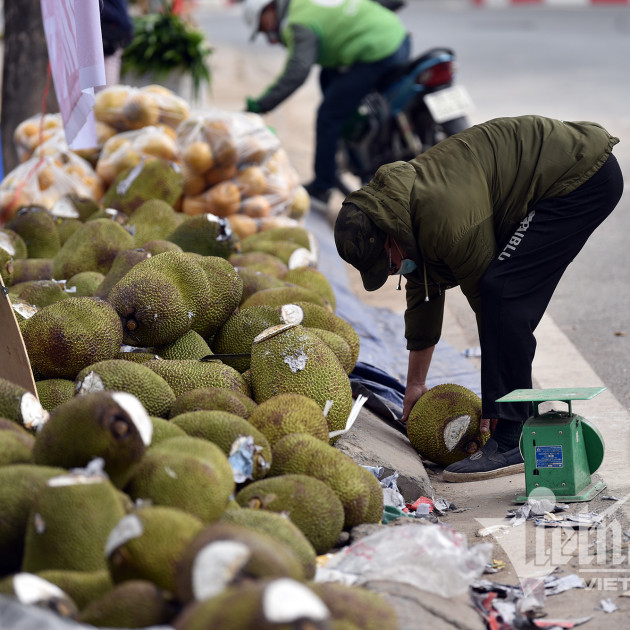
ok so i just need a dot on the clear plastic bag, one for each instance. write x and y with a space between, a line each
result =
431 557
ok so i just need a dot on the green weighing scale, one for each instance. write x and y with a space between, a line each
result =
560 449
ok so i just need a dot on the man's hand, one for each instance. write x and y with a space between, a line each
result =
251 105
412 395
488 424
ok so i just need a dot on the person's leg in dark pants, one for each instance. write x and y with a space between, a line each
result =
518 285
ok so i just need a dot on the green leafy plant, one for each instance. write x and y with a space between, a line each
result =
164 42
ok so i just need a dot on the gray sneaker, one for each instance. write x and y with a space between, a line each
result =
486 463
319 198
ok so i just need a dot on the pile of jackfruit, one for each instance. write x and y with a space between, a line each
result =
178 464
231 163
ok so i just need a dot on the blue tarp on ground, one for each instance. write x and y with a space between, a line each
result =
381 331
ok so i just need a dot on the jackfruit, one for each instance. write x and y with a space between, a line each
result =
111 214
314 280
36 226
76 507
74 206
66 227
92 247
237 334
131 604
54 391
205 234
27 269
154 219
21 406
260 261
223 555
16 446
40 293
280 528
151 390
63 338
13 243
84 284
158 246
277 296
364 608
374 512
148 543
265 604
297 235
254 281
136 355
290 359
300 453
443 425
338 345
164 429
191 345
224 429
123 262
111 425
213 398
288 413
159 299
82 586
284 250
310 503
150 179
19 484
184 375
6 267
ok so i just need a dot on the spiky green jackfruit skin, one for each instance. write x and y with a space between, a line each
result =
63 338
82 586
223 429
19 485
213 398
297 235
205 234
6 267
84 207
300 453
254 281
15 448
153 220
288 413
164 429
443 425
338 345
36 226
84 284
239 607
295 360
110 214
184 375
157 539
13 243
288 294
159 246
40 293
279 527
260 261
66 228
152 179
138 357
237 333
29 269
281 249
158 299
131 604
320 317
92 247
191 345
364 608
123 262
374 512
128 376
71 507
100 424
226 288
314 280
52 392
267 558
310 504
20 405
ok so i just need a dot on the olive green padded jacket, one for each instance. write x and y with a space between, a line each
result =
452 207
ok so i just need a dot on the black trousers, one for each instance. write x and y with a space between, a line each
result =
518 285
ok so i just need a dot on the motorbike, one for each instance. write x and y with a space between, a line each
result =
410 111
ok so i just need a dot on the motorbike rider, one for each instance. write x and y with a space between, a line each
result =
499 209
356 43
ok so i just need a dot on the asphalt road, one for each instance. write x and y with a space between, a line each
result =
568 63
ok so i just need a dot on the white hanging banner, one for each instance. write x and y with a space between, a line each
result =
75 50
